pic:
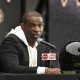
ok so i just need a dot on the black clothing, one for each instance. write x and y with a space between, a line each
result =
14 56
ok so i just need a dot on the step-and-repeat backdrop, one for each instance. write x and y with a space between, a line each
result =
64 25
10 14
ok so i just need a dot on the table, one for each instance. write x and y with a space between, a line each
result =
9 76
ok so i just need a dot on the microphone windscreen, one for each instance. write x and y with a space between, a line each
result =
39 40
73 48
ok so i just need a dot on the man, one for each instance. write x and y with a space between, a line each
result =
19 52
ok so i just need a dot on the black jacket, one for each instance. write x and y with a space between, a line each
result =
14 57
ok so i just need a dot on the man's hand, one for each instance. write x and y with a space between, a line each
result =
53 71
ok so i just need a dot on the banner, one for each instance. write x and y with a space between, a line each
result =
64 24
10 16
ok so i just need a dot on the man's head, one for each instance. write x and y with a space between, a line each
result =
32 25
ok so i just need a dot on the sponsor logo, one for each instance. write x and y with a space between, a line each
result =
48 56
44 56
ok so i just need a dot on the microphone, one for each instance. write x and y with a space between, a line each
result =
40 40
47 57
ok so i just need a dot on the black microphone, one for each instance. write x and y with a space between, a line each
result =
40 40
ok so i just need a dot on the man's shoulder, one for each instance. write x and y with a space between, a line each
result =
11 38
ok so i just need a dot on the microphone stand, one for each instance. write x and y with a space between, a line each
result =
48 62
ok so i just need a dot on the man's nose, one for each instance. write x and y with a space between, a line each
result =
37 29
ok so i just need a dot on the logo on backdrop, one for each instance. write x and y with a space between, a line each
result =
65 2
1 16
8 1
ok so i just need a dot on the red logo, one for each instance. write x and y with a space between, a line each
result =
52 56
44 56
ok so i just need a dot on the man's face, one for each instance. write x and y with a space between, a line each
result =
34 27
